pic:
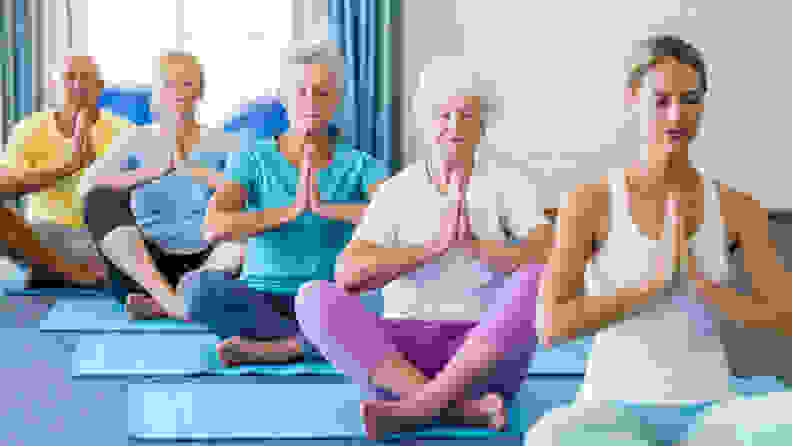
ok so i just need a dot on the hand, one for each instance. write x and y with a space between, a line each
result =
83 153
455 225
216 237
302 201
314 199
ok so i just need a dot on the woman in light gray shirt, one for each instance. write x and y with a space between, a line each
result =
146 198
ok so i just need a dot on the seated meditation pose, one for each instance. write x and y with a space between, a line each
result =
136 195
650 245
45 157
457 334
296 199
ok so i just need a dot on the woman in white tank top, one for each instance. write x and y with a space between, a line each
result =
650 245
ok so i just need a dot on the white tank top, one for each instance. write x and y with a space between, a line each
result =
656 355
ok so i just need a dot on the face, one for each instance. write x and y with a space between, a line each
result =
316 98
81 83
457 125
671 106
182 85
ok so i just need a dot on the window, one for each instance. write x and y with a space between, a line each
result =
239 45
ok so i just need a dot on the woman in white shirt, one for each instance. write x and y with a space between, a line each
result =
454 331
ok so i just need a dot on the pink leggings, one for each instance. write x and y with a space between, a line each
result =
356 341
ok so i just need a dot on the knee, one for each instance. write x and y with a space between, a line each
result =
197 290
102 196
314 298
101 201
310 293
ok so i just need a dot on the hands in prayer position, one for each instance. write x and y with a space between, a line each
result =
83 152
307 198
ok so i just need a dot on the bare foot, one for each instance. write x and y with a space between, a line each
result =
490 411
383 417
87 274
143 306
238 350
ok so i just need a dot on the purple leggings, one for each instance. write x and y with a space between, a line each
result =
355 340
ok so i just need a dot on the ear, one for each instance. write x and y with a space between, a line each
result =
100 84
632 96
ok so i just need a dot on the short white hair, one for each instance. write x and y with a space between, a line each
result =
301 53
159 76
57 97
453 76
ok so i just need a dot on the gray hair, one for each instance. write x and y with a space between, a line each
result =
159 76
57 98
301 53
452 76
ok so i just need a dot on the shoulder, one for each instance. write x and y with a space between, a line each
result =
32 123
357 158
740 210
588 199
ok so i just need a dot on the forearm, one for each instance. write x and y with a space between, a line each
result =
753 311
128 180
242 224
586 314
372 268
25 181
350 212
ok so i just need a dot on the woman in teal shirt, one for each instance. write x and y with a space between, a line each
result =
295 199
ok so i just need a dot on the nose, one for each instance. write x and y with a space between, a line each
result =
674 111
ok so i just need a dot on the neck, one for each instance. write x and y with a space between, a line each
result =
665 176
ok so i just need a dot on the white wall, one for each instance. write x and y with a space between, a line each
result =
561 68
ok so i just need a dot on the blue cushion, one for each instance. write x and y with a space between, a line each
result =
265 115
131 104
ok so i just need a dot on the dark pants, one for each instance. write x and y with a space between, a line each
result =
106 209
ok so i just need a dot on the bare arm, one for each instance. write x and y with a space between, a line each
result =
107 170
350 212
24 181
568 314
534 249
769 304
364 265
225 214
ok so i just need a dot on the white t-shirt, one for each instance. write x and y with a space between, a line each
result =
406 212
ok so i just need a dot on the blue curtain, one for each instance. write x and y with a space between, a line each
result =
23 91
358 26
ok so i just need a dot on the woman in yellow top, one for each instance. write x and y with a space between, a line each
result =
45 158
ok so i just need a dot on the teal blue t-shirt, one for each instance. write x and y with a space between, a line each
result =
279 261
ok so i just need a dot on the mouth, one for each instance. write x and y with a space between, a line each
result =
312 115
181 100
676 133
457 140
